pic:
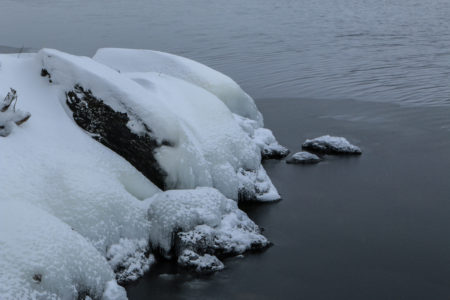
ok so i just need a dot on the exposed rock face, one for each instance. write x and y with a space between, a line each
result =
303 158
331 145
109 127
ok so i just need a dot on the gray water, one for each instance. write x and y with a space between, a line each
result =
389 51
370 227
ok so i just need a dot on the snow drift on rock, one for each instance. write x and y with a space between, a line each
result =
331 145
228 91
79 217
201 221
204 144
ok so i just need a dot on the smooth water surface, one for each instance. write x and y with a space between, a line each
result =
374 226
390 51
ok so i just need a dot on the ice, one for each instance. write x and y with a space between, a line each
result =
228 91
331 145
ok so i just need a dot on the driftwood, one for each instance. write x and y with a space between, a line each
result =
9 115
9 99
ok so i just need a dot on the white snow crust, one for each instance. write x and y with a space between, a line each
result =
327 143
207 146
204 220
228 91
303 157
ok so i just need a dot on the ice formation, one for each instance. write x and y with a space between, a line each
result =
331 145
194 138
228 91
78 217
303 157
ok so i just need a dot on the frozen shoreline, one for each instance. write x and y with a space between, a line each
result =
187 144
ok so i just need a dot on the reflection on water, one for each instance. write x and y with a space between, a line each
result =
391 51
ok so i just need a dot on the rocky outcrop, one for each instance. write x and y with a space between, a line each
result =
109 127
303 157
331 145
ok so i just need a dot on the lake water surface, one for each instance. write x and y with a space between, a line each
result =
389 51
370 227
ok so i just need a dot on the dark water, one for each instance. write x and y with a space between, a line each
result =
378 50
370 227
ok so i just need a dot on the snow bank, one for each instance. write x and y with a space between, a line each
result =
228 91
88 194
41 257
331 145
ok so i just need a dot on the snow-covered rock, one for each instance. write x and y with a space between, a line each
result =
331 145
76 217
228 91
263 138
202 221
303 157
130 259
201 263
176 133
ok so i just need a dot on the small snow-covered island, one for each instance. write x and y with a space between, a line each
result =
107 161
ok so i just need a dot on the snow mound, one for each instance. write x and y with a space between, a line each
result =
44 258
331 145
192 136
303 158
75 195
77 217
202 221
228 91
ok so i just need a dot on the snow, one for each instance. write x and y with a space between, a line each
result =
332 145
228 91
201 263
130 259
202 221
303 157
206 145
41 257
79 218
66 182
263 138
